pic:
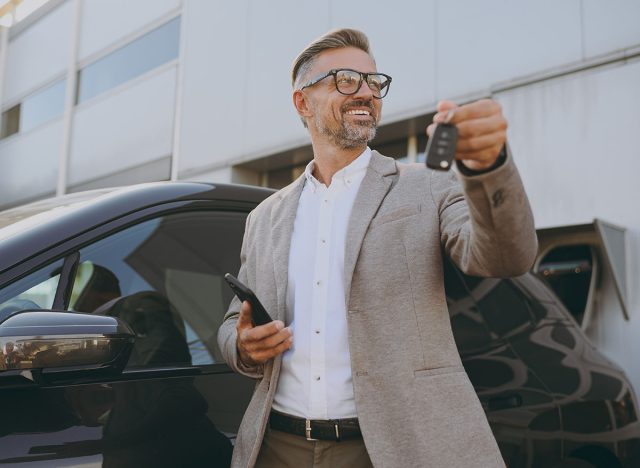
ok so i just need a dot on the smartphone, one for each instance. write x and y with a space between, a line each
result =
260 315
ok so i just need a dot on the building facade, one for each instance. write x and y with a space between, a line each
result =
98 93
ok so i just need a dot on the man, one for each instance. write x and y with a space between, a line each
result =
349 257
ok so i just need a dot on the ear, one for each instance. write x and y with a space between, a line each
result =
301 103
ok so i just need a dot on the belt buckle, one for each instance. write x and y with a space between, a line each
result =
307 430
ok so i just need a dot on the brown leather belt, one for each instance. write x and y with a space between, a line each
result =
314 429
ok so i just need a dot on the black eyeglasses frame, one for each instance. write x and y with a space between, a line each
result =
363 77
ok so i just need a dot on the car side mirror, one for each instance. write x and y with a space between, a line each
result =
43 346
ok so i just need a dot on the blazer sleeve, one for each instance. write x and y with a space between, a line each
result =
227 334
486 222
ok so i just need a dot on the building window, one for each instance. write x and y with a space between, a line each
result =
34 110
422 139
395 149
279 178
10 121
155 48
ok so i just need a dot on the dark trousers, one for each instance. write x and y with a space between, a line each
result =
283 450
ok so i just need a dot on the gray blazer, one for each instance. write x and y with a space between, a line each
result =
415 403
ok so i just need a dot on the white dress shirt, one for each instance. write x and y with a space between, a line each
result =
315 379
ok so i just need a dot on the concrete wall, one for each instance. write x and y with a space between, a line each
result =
47 45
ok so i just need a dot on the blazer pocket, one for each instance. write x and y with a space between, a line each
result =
437 371
401 212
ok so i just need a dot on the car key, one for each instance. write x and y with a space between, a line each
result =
441 147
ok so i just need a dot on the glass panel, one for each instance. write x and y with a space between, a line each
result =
43 106
145 53
586 417
164 277
10 121
505 309
35 291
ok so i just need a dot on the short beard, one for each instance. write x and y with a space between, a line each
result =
348 135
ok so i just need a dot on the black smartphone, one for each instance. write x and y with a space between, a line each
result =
260 315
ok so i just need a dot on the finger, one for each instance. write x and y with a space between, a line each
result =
274 340
445 105
474 110
244 318
263 331
265 355
468 146
251 344
264 349
430 129
481 126
485 158
446 111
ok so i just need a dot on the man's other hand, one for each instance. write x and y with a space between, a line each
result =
482 131
256 345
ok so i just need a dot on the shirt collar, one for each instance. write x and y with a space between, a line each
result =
344 175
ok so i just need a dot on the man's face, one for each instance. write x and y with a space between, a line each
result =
346 121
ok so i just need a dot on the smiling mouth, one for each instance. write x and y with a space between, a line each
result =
358 112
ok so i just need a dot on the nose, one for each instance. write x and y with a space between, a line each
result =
364 92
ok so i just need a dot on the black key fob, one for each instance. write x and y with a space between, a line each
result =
441 147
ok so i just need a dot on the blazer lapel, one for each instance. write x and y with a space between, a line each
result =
283 216
373 189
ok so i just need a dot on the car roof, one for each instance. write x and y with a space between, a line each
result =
45 223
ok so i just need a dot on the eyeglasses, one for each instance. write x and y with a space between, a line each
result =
348 81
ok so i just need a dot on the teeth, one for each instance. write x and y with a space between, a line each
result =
358 112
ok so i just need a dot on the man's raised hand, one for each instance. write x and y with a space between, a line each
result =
482 130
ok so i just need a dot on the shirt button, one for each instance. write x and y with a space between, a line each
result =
318 283
317 332
323 241
317 377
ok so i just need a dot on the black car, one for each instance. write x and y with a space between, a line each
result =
110 302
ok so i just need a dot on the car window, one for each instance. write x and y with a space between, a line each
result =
35 291
164 277
505 308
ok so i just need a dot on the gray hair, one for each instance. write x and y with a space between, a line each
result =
335 39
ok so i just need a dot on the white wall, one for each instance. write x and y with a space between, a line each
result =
29 163
125 127
609 26
481 43
575 140
38 54
106 22
214 64
403 39
237 91
434 49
